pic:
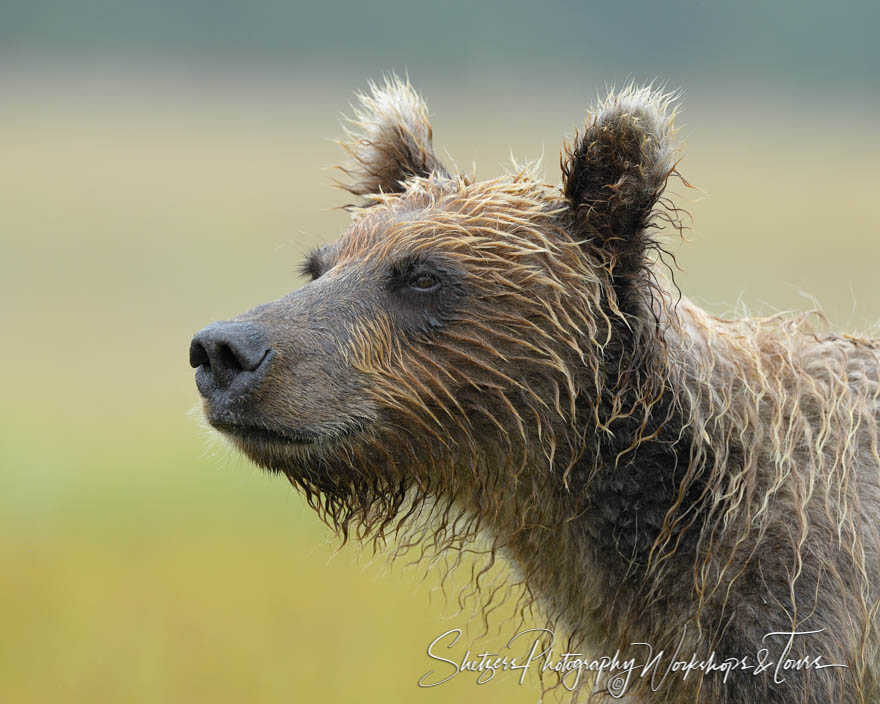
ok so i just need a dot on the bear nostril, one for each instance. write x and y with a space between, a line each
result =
229 360
198 355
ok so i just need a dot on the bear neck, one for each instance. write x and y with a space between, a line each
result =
589 558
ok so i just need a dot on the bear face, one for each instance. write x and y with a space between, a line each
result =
501 360
455 324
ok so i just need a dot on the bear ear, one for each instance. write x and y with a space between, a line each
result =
388 140
615 172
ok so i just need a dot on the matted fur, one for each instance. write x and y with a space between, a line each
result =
653 473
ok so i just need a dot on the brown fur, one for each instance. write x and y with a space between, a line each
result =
647 469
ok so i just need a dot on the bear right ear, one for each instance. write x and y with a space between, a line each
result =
389 140
615 172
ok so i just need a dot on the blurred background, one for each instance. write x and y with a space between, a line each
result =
164 164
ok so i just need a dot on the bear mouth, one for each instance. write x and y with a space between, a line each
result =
259 433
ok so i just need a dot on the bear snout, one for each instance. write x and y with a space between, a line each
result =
230 358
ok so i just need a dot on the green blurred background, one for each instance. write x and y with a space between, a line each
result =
163 165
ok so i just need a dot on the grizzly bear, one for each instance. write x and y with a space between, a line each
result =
505 361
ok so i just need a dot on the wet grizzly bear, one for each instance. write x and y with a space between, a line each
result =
504 361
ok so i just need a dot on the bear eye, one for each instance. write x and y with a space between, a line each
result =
424 282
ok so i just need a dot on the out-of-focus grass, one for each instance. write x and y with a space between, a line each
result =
139 559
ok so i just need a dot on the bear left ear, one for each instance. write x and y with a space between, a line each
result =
389 140
615 172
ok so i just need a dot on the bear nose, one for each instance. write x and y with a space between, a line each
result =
229 358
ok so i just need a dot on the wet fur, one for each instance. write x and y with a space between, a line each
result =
648 470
